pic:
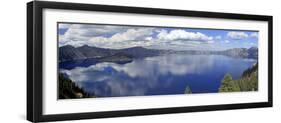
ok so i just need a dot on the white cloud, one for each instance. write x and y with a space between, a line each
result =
84 32
117 37
237 35
179 34
130 38
148 38
101 35
254 35
64 26
211 41
132 34
218 37
227 41
253 44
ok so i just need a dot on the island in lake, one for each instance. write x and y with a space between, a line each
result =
115 61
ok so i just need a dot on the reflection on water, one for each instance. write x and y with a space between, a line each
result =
159 75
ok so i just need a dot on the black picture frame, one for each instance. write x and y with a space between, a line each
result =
35 69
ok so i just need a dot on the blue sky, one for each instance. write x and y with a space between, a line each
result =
118 37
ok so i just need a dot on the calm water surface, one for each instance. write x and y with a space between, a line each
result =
161 75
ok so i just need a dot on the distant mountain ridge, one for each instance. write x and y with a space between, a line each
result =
242 52
69 53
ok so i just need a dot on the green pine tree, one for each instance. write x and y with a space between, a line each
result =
187 90
228 85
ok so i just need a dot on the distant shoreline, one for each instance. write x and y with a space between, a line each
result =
70 53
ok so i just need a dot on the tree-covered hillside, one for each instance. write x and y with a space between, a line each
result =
69 90
248 81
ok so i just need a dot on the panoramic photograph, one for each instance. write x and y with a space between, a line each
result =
105 60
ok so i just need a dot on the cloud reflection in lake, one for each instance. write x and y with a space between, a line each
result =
159 75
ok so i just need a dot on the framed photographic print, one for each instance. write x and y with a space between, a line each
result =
96 61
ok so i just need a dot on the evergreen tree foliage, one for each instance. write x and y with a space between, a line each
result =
248 81
69 90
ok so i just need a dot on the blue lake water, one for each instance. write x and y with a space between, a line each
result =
160 75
